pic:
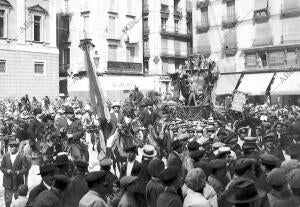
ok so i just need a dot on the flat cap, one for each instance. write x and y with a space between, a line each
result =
95 176
193 145
218 145
217 164
294 178
269 159
81 164
127 180
62 159
169 174
131 148
106 162
13 142
155 167
210 129
277 177
175 144
243 163
46 169
197 154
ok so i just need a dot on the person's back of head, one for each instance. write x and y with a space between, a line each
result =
23 190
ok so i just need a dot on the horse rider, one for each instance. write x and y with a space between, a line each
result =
75 133
148 117
36 130
90 124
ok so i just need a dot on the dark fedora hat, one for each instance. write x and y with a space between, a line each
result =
244 191
44 169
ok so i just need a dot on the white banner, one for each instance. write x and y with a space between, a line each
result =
239 99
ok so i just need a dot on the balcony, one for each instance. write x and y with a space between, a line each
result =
229 21
230 49
202 50
290 38
290 12
124 67
262 41
146 52
261 15
175 32
202 4
174 54
202 28
276 64
177 13
145 9
164 11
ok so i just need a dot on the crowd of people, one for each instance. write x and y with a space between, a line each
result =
250 159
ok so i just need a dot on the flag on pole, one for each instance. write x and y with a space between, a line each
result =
98 102
97 97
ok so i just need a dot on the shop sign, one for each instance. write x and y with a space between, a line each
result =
164 78
239 99
124 67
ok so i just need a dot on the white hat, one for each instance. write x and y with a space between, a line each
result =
116 104
149 151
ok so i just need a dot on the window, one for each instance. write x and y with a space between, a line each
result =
145 24
177 47
146 45
39 67
231 10
164 45
66 60
176 25
163 23
112 26
189 27
112 52
165 67
86 25
2 20
37 28
2 66
130 53
204 17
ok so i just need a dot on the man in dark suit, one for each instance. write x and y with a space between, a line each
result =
77 187
36 129
46 172
131 167
174 158
53 197
110 178
148 116
13 166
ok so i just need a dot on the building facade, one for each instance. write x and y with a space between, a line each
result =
28 53
255 44
115 28
167 33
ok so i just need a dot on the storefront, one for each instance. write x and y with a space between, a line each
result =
114 87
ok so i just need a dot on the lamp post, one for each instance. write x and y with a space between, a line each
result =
96 59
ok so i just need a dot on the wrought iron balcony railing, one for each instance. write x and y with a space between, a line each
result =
261 15
229 21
